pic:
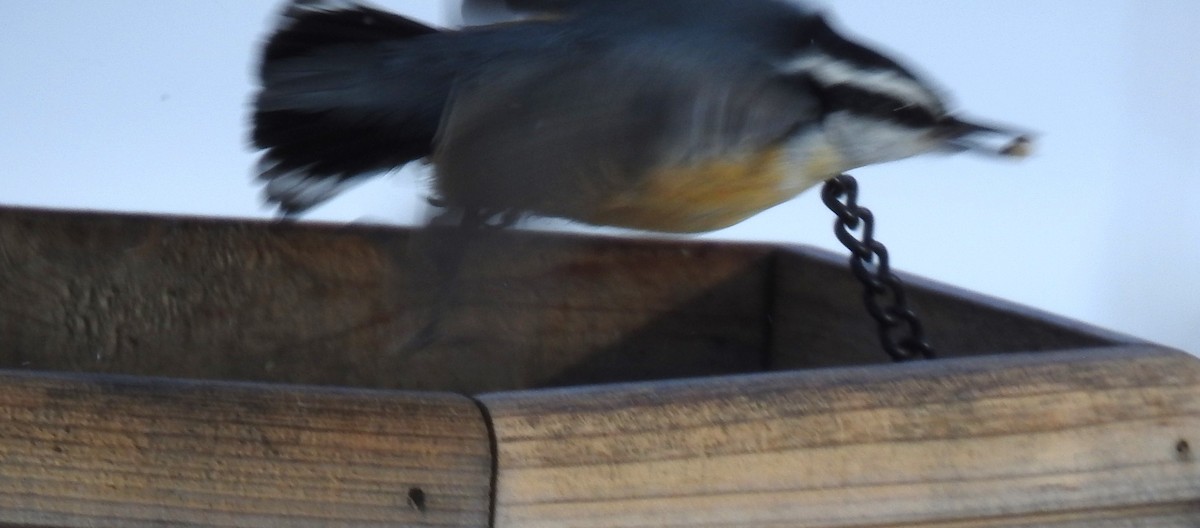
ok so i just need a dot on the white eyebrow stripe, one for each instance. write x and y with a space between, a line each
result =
831 71
324 5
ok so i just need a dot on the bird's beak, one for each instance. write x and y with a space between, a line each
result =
964 135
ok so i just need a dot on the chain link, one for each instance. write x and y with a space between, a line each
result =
900 330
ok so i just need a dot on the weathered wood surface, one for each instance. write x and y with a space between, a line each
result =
87 451
370 307
443 310
1098 439
1100 434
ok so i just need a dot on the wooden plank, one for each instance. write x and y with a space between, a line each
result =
1101 438
368 306
95 451
444 310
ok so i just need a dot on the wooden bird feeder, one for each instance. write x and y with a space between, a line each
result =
188 372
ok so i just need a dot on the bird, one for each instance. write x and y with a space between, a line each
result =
673 116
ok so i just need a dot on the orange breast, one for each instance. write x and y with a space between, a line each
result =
708 196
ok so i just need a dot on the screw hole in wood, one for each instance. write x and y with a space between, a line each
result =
416 499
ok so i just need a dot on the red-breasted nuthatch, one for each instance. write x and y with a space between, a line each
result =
665 115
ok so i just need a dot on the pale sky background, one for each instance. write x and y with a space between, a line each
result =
141 105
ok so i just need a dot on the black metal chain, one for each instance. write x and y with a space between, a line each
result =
900 330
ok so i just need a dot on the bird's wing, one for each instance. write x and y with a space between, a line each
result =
555 133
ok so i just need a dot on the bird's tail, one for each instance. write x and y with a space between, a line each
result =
345 93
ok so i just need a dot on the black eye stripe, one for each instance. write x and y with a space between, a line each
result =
865 102
848 76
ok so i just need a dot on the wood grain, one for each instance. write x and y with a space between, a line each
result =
90 451
370 307
1097 438
441 309
1101 433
